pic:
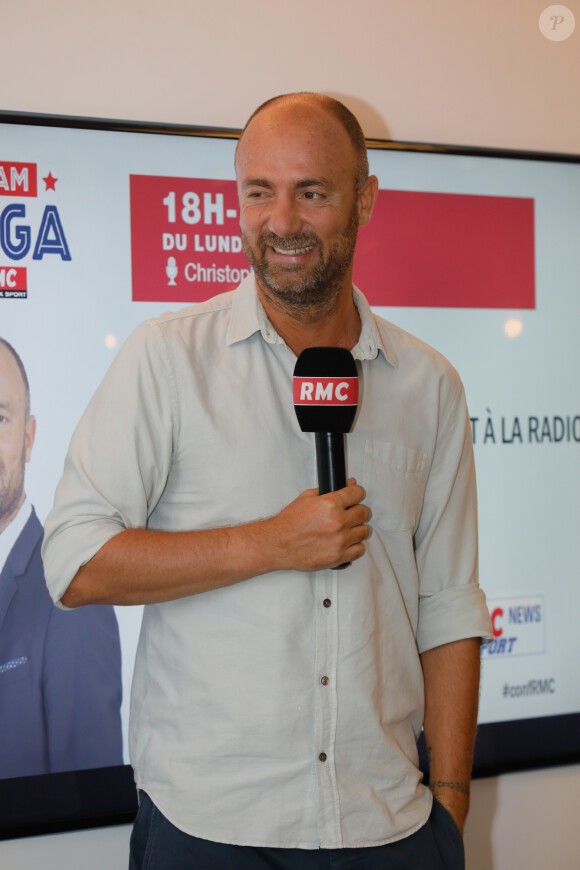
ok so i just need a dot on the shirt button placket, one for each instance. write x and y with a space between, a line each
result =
326 708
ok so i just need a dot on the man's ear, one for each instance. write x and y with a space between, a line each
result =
29 434
366 199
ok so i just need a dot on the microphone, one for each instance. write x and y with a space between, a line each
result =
325 390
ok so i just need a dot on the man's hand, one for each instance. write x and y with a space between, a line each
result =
143 566
320 531
457 807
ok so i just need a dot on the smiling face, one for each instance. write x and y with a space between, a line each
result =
16 436
296 170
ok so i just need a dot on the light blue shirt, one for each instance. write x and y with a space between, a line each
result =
234 732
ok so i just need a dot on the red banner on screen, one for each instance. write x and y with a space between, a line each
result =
17 179
185 238
13 282
447 250
420 249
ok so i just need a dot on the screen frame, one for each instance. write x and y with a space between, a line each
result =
52 803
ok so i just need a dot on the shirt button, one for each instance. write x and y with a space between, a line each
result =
324 681
327 602
322 756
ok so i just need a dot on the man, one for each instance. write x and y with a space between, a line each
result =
277 702
60 678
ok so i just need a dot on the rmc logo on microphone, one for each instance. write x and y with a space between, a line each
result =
325 391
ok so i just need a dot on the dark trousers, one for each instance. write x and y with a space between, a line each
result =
156 844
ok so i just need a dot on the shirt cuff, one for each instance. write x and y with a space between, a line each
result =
453 614
65 552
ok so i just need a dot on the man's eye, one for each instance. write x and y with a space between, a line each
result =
312 194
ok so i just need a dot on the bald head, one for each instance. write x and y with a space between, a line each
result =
308 105
301 201
20 366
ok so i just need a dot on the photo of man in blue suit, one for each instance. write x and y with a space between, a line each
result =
60 673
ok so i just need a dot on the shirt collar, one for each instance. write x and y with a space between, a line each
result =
12 531
370 340
249 316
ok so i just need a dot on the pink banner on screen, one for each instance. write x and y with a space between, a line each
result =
420 249
18 179
185 238
447 250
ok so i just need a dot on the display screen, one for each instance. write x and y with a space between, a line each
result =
474 252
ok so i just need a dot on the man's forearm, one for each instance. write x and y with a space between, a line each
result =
451 674
140 566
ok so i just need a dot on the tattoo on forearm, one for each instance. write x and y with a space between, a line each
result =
462 787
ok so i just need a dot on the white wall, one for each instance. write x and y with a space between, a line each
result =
449 71
446 71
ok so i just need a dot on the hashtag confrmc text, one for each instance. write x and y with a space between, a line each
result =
546 686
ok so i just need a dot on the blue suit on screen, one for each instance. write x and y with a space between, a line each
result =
60 673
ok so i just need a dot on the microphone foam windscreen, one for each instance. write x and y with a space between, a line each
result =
325 388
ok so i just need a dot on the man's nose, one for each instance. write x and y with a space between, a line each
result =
285 218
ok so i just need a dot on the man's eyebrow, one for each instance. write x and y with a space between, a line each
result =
257 182
302 183
5 406
313 182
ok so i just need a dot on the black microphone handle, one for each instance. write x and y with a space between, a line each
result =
330 461
331 465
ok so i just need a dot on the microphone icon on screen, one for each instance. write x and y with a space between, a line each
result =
171 270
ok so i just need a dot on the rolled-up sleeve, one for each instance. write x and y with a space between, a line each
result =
118 461
451 603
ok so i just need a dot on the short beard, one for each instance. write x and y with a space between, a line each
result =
319 288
